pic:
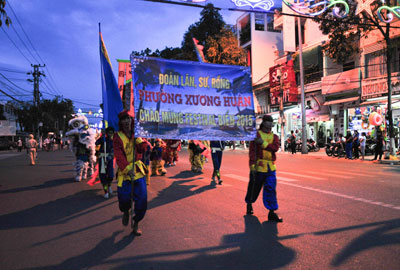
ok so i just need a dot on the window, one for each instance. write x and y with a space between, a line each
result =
270 23
348 66
375 63
245 30
260 22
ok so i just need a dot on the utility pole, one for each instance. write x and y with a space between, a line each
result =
36 93
304 149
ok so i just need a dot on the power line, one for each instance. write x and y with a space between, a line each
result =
12 26
12 71
51 81
23 30
2 28
10 96
263 12
14 83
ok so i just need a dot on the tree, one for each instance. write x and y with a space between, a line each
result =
210 25
51 112
3 14
223 49
220 44
345 33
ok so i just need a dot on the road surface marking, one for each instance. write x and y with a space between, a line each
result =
4 156
238 177
285 179
391 206
302 175
350 173
246 179
330 174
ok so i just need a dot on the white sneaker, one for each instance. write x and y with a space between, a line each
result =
77 179
106 196
110 190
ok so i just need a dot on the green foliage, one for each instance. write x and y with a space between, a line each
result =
3 14
220 45
51 112
223 49
210 25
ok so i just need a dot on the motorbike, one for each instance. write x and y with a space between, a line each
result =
338 150
312 146
370 147
329 147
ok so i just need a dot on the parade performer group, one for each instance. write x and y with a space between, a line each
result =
134 156
262 157
83 143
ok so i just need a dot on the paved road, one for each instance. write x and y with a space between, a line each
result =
338 214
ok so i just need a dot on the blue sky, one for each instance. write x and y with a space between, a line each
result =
65 35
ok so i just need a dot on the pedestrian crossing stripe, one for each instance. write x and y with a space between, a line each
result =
387 205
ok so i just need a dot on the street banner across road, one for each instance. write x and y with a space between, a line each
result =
191 100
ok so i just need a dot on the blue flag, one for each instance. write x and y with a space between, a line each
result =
112 103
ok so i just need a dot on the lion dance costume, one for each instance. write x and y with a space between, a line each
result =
83 143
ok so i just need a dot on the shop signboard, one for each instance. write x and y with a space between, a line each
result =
8 128
372 88
289 91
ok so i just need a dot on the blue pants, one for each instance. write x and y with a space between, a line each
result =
217 159
349 149
139 196
266 180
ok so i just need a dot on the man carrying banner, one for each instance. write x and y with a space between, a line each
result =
262 157
130 173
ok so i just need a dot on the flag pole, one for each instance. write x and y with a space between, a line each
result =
104 122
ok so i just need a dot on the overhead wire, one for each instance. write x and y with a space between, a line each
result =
2 28
51 80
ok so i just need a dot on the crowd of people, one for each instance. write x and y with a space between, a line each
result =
132 161
355 144
138 159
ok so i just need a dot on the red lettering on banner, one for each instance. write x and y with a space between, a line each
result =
196 100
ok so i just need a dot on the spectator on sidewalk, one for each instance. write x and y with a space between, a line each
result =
363 140
32 149
292 142
379 145
349 144
19 144
356 144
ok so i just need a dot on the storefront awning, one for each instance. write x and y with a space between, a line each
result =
383 101
317 118
338 101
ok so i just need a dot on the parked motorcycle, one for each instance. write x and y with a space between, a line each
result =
329 147
338 150
312 146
